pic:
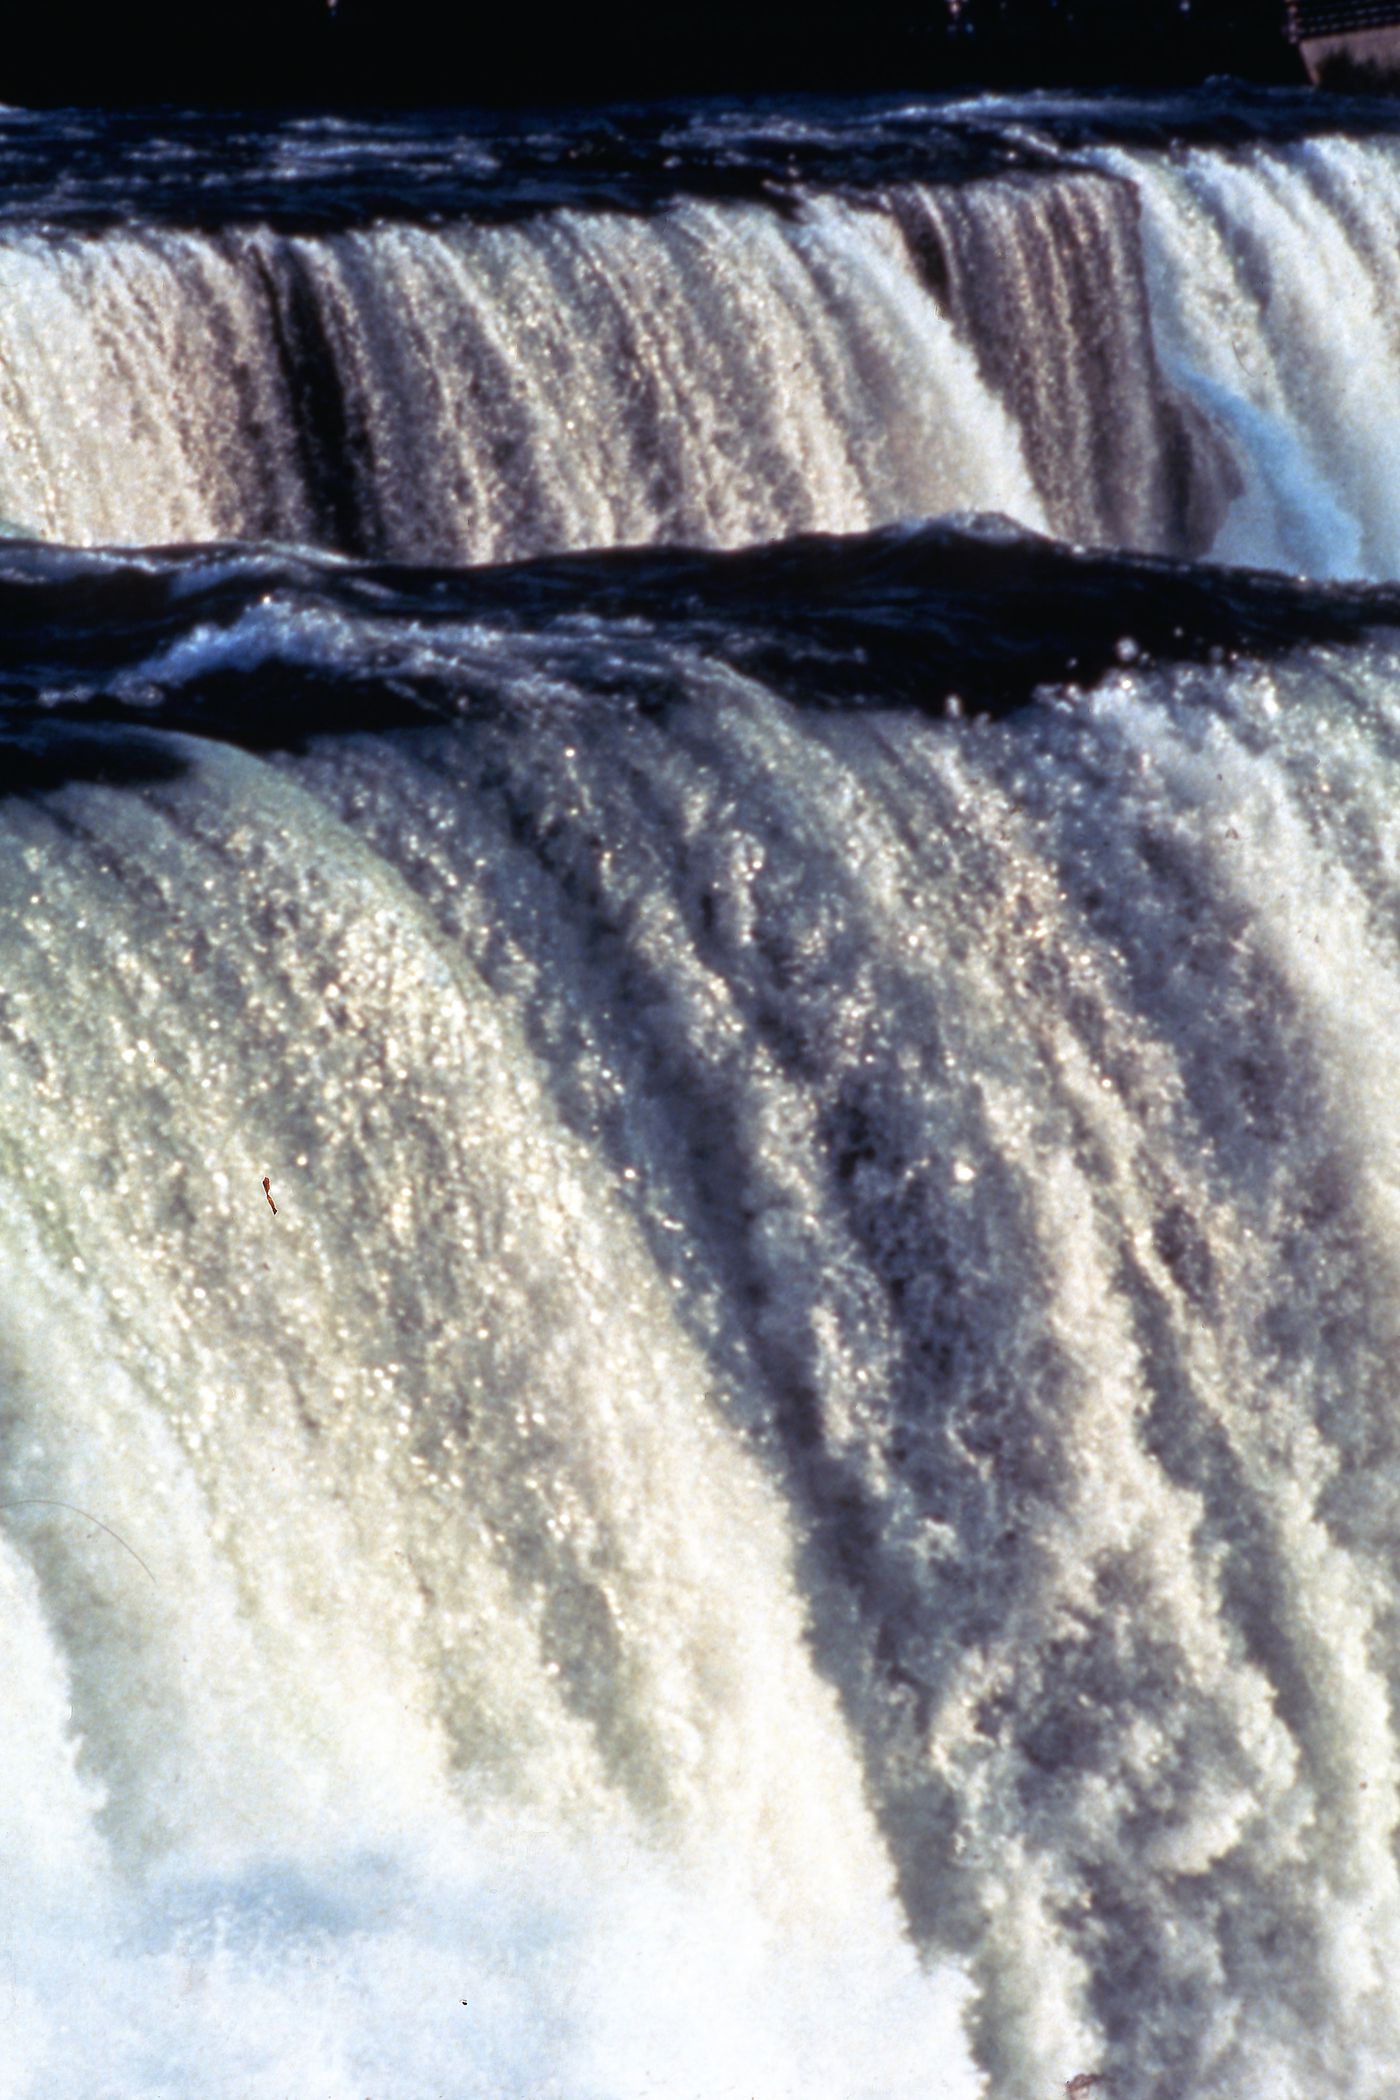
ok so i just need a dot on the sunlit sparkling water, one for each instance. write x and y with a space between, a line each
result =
1182 351
798 1498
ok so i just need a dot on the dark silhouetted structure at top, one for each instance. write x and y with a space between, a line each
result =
1348 43
446 52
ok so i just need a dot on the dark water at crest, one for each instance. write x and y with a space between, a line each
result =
315 173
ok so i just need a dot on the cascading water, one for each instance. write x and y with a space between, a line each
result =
1127 348
712 374
699 1248
1275 310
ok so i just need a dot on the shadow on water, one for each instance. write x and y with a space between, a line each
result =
268 649
84 170
36 762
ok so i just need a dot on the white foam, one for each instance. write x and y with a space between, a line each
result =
708 374
500 1965
1276 300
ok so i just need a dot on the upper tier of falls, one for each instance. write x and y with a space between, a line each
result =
1181 351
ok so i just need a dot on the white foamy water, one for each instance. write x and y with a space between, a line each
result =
1186 353
333 1534
799 1496
712 374
1277 308
800 1491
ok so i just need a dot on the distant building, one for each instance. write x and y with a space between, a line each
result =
1347 43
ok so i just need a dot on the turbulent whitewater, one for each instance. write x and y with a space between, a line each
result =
799 1495
488 346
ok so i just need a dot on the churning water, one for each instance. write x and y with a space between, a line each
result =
800 1496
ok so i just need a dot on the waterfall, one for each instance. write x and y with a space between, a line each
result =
714 375
829 1309
1276 310
698 1174
1171 353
